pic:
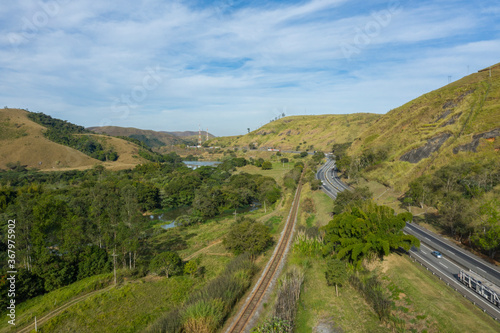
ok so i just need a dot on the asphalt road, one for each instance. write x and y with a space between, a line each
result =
465 259
332 185
454 258
448 270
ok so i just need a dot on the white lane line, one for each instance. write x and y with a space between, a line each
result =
452 253
423 252
443 264
427 238
444 259
460 285
481 269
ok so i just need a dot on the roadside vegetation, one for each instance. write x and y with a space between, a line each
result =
383 292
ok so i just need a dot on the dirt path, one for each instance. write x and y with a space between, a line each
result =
202 250
40 321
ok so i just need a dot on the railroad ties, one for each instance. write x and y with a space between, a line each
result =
244 318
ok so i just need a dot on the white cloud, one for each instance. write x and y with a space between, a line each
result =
234 70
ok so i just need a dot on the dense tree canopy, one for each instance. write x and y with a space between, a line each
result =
367 231
71 223
248 236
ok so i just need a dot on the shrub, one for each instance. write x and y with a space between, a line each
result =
248 236
167 262
267 165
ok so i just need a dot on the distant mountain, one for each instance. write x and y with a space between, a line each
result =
456 123
22 140
303 132
153 139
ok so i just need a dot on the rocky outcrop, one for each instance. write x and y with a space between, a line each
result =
265 132
432 145
452 120
472 146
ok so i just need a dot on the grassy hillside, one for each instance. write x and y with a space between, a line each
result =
308 132
22 140
460 121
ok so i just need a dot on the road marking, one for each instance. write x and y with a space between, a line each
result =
427 238
452 253
423 252
481 269
462 286
443 264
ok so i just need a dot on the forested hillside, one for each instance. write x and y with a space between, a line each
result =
70 223
73 136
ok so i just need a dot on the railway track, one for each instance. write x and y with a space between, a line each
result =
243 321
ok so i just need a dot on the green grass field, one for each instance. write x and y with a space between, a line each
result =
422 301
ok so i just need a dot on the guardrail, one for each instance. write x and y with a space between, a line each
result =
455 284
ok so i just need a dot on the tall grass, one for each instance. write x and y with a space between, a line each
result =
285 308
308 245
374 293
205 310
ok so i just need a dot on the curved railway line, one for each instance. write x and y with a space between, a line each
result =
243 321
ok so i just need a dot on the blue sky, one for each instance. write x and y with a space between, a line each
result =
233 64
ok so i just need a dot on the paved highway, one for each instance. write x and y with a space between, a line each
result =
332 184
465 259
454 258
447 269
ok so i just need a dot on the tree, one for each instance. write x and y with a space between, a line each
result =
315 184
336 273
367 231
93 260
346 198
318 156
166 262
247 236
267 165
488 235
191 267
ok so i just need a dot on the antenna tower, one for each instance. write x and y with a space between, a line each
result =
199 135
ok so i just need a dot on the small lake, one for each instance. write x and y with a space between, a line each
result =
171 215
196 164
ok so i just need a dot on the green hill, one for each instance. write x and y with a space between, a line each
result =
34 140
456 123
302 132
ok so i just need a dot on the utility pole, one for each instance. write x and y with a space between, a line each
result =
114 263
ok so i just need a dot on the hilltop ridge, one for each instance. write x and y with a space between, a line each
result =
459 121
153 139
302 132
22 140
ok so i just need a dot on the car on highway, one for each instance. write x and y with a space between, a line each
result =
437 254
